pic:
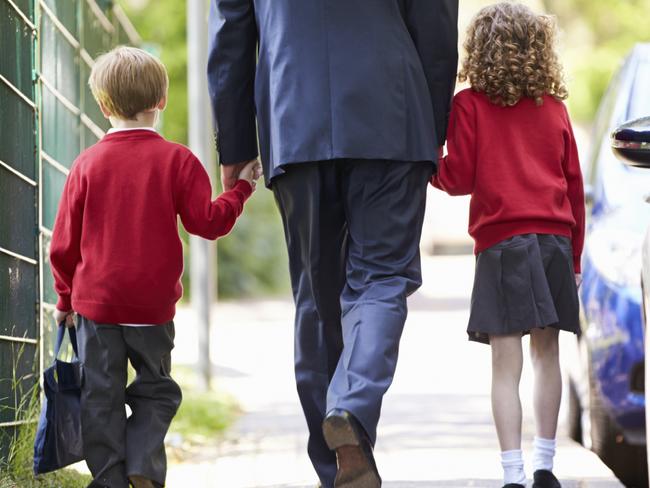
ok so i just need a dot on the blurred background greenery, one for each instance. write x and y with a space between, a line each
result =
596 35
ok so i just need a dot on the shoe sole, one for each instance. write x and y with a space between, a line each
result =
367 480
341 437
338 432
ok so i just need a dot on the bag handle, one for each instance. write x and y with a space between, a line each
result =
59 339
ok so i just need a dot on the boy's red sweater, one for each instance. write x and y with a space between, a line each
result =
116 254
521 166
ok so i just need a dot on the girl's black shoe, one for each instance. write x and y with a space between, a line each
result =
545 479
513 485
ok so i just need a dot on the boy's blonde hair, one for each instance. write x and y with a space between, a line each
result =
127 81
510 54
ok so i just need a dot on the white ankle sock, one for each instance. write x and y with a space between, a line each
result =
513 467
543 453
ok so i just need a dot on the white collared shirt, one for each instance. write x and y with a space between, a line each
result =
124 129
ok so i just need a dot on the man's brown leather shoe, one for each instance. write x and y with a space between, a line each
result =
356 463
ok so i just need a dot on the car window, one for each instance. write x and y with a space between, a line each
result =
639 105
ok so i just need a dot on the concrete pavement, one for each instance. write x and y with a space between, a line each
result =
436 429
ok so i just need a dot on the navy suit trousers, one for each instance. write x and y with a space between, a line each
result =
352 229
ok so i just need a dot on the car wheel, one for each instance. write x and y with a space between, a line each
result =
628 462
574 420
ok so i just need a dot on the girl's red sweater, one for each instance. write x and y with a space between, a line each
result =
521 166
116 254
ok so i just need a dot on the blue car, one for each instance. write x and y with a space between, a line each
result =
607 380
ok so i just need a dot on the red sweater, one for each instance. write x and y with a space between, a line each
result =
116 254
520 164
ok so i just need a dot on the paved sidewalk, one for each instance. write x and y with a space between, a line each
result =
436 428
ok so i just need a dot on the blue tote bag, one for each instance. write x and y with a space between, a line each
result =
58 438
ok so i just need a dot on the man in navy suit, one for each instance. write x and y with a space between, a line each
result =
351 99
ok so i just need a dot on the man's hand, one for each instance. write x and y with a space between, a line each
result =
230 173
67 317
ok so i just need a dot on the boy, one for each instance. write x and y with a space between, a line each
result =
117 260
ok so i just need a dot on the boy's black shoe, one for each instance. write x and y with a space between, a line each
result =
356 463
545 479
513 485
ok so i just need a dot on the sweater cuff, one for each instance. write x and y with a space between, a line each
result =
576 264
64 304
244 187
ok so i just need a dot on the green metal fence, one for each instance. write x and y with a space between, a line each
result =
47 116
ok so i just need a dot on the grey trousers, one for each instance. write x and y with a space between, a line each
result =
353 231
116 447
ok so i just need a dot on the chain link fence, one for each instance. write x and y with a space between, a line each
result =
47 116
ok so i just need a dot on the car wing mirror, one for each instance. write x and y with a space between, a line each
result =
631 143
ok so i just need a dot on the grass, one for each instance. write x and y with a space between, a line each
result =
200 421
66 478
202 416
16 468
17 471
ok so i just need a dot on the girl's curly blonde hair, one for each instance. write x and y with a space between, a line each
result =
510 54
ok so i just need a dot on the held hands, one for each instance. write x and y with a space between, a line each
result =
251 172
232 172
67 317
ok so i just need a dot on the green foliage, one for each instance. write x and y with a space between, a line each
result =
252 259
598 34
161 24
66 478
18 471
204 415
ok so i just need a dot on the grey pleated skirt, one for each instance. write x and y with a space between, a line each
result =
524 282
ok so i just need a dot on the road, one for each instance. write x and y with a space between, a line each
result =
436 428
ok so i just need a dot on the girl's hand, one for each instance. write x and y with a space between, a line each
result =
67 317
578 277
251 172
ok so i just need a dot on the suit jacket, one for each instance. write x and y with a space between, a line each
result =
329 79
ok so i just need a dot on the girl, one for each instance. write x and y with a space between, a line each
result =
511 146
